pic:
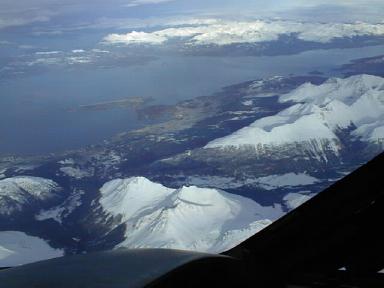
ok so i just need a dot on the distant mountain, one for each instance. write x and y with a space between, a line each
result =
318 114
370 65
322 132
21 194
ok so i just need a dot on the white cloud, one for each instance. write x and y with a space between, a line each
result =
25 12
135 3
353 3
191 21
6 21
4 42
216 32
140 23
136 38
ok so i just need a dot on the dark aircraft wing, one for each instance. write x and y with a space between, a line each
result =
119 268
336 234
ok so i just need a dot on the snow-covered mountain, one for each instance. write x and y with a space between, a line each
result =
191 218
24 192
18 248
318 113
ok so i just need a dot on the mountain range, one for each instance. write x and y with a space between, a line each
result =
209 174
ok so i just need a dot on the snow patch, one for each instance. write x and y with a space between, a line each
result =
294 200
62 211
19 192
270 182
286 180
67 161
18 248
247 103
75 172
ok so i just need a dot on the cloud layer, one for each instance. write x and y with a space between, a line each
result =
216 32
26 12
64 13
135 3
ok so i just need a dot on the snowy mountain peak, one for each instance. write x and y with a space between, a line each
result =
191 218
128 197
19 192
346 90
199 196
37 187
314 121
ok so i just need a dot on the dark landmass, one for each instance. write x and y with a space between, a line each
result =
316 73
133 103
285 45
371 65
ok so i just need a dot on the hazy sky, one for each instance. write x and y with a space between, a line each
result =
81 12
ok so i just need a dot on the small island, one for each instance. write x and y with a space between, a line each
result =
132 103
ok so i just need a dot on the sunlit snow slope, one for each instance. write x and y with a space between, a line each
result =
188 218
23 192
318 113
